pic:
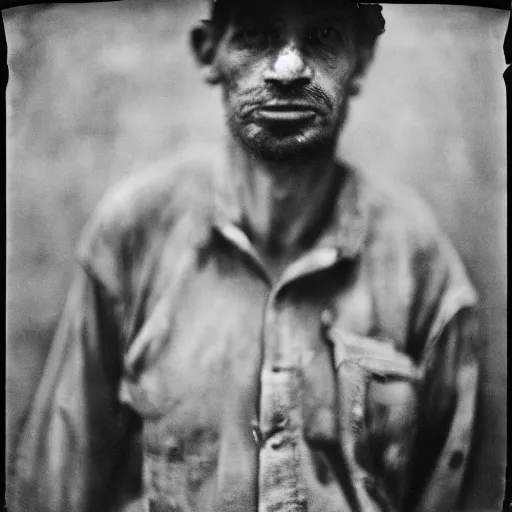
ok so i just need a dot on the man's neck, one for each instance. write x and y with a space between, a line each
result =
282 200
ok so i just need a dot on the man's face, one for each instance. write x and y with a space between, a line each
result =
286 69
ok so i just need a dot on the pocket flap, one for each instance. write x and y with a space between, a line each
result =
379 358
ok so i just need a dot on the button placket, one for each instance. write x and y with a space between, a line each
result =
279 480
280 421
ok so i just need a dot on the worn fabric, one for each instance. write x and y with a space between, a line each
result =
182 378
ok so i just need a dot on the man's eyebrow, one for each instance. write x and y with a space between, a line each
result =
313 18
255 18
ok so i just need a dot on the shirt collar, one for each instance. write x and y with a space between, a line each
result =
345 231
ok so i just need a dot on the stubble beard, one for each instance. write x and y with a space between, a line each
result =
301 143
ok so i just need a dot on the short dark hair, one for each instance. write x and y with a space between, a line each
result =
368 19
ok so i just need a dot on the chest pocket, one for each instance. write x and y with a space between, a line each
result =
378 404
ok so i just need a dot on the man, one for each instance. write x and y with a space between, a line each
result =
276 334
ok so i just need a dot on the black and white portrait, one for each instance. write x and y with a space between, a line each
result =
256 257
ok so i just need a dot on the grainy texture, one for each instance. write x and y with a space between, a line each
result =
97 91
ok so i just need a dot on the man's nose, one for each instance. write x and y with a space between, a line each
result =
289 68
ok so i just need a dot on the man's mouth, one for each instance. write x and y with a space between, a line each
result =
286 112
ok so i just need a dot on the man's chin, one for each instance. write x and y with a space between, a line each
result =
283 143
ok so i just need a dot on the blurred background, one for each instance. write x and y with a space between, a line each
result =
101 90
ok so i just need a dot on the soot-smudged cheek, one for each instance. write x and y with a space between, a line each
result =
241 69
333 75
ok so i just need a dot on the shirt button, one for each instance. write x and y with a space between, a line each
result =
276 443
280 420
357 411
257 434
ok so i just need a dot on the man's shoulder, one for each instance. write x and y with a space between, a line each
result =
402 223
164 188
148 203
157 192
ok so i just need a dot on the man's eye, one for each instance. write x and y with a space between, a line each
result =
325 36
253 36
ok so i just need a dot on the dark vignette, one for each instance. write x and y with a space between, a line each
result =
507 76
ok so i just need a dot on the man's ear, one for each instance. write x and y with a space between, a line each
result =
203 40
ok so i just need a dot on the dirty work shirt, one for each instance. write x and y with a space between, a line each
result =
182 379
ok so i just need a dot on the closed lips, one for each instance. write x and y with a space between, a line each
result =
286 111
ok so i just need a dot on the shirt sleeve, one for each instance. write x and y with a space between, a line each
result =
77 432
447 410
